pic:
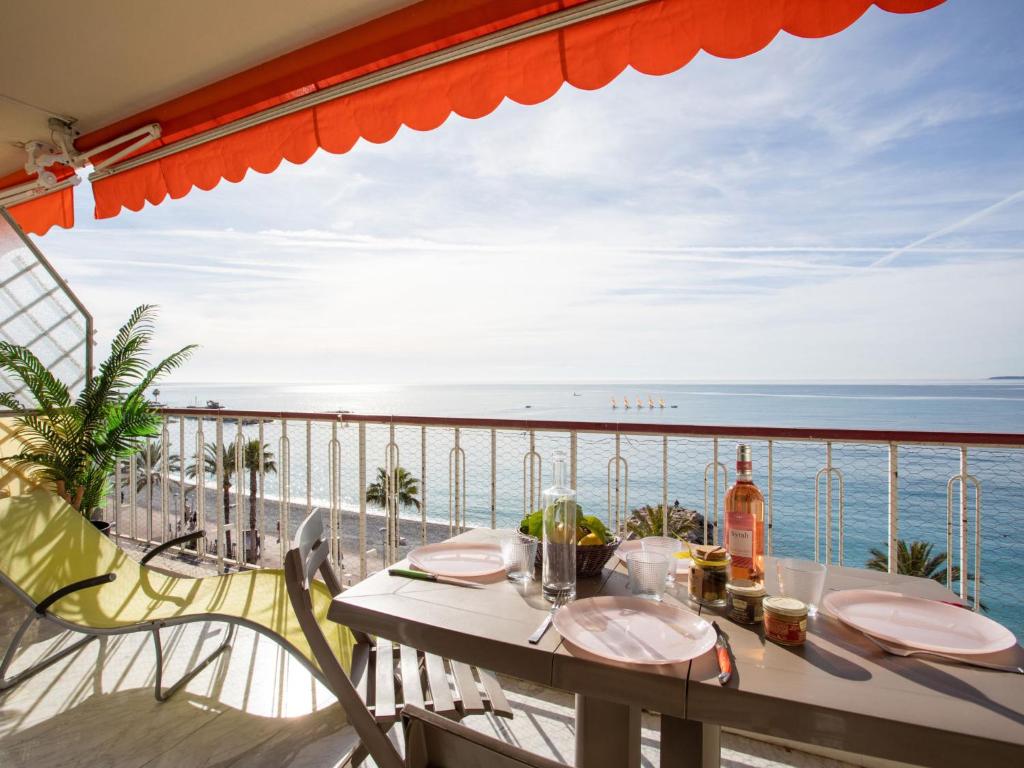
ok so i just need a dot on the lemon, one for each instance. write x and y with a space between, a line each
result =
590 540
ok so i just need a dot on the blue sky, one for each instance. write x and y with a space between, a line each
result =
845 208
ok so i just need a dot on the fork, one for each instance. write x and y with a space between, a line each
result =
896 650
543 628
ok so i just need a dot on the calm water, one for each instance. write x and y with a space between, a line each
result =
965 406
968 406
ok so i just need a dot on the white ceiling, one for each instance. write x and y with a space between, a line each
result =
104 60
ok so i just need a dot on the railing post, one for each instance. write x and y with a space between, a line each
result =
362 500
149 495
392 463
200 483
165 476
573 458
770 511
894 506
181 475
132 497
241 551
664 485
284 488
262 500
219 471
494 478
334 483
423 485
309 467
963 524
715 492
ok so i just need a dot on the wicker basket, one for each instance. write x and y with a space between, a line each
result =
589 560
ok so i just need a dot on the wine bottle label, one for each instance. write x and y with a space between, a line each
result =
741 544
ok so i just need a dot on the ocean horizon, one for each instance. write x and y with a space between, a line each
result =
996 407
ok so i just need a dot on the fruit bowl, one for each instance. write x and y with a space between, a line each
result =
589 559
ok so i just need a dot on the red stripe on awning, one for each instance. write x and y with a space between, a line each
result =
656 38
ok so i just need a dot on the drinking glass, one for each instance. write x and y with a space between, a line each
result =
519 553
667 546
648 572
803 580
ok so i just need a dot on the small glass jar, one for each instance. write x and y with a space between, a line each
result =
745 601
709 573
785 620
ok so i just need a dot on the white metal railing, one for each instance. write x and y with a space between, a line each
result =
830 494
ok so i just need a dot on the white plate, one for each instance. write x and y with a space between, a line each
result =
633 545
458 559
634 630
914 622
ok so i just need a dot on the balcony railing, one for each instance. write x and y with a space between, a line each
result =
833 495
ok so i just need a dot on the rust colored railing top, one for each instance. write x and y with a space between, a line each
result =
634 428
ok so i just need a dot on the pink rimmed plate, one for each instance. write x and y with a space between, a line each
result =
914 622
634 630
458 559
635 545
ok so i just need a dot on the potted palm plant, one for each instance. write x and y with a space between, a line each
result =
72 444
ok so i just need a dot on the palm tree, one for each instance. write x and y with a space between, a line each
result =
407 487
209 467
149 467
250 461
916 559
73 445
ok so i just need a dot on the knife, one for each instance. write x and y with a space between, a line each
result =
409 573
722 652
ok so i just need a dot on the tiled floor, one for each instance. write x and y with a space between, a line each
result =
254 706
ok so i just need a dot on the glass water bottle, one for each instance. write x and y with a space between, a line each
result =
559 578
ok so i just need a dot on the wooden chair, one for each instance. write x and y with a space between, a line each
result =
384 678
432 741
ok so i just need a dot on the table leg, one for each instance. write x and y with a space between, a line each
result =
607 734
689 744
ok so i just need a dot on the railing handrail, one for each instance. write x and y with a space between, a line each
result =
982 439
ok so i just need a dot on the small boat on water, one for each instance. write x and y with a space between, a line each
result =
211 405
614 404
650 402
661 403
625 402
639 403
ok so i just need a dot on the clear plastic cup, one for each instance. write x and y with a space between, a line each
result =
519 553
803 580
667 546
648 574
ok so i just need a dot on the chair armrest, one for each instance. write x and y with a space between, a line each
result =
176 542
94 581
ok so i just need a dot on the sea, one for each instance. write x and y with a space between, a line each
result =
993 406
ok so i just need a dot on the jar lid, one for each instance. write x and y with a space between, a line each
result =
710 553
745 587
785 606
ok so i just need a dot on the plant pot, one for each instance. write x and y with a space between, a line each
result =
103 526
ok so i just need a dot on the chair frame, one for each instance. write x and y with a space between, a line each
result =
40 611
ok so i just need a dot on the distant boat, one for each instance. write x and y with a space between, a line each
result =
650 402
639 403
661 403
528 406
614 404
576 394
211 405
625 402
673 406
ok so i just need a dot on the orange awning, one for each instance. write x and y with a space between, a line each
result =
417 65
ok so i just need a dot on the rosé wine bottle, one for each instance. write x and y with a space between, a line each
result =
744 521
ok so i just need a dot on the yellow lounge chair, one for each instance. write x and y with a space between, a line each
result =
69 573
